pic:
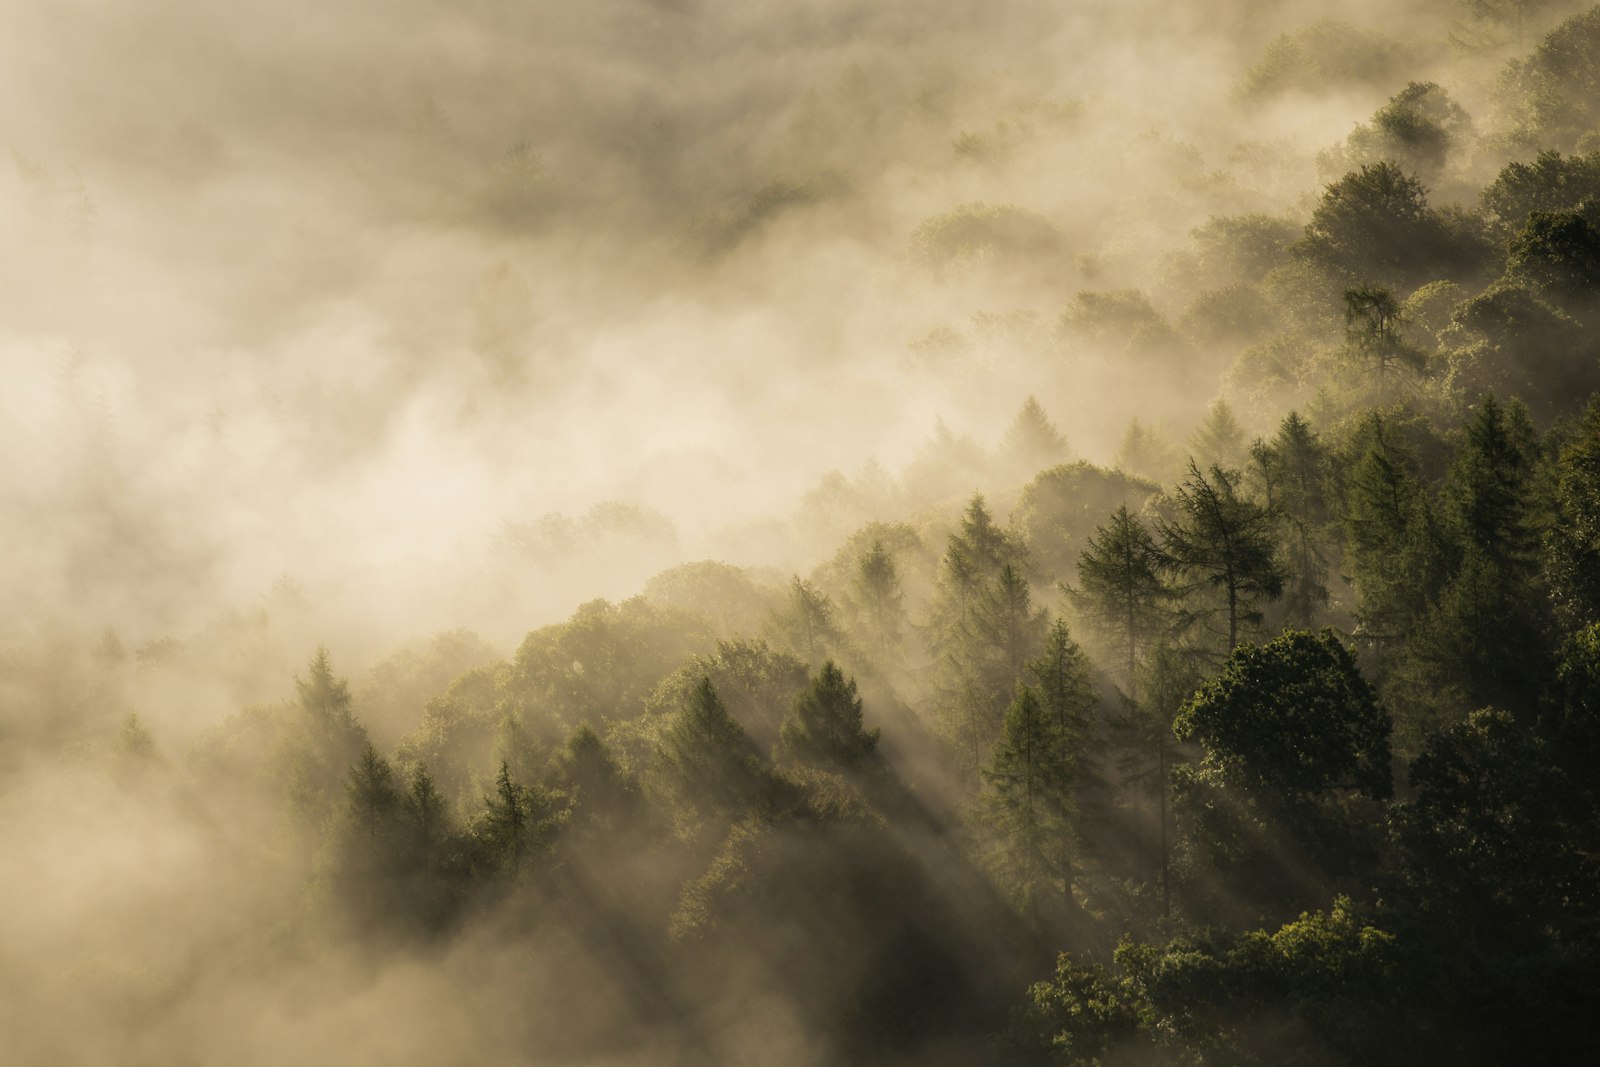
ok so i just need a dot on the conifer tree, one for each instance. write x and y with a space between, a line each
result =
825 727
1219 440
1030 800
1032 441
808 622
983 631
879 600
1223 546
1122 591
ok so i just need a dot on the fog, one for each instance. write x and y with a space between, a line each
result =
349 325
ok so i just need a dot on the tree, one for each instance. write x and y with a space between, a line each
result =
1295 758
825 728
517 821
1572 544
1220 439
1122 591
1372 227
1295 467
983 631
1032 441
808 622
711 765
1293 717
373 797
1372 328
1224 543
1488 632
1392 537
1030 800
880 599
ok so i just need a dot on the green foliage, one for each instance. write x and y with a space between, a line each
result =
824 727
601 663
807 621
1122 592
982 632
1507 341
1550 183
1304 994
1294 470
1219 440
757 682
709 764
1031 776
1121 322
1242 248
1145 453
1060 509
878 601
518 823
1419 128
1557 255
1372 227
1375 339
1292 718
1222 546
1553 95
604 797
722 594
1572 543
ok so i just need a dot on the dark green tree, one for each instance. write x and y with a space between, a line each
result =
1374 339
1222 545
1030 802
825 727
1572 543
711 766
1281 805
1122 592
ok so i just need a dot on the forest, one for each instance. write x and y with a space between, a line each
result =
681 532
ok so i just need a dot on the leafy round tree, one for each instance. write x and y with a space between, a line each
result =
1292 717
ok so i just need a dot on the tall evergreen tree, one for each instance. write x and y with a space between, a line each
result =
825 726
1030 801
1122 591
879 600
1223 545
808 621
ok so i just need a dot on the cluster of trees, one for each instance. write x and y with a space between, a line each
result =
1262 747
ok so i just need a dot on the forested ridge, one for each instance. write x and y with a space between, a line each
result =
1265 732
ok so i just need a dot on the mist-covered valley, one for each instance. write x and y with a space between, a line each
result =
673 531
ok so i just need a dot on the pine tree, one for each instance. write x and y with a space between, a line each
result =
1032 442
1030 801
880 600
808 622
1224 545
1122 591
825 728
517 821
1296 464
711 764
1374 339
1219 441
1572 545
983 630
374 801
